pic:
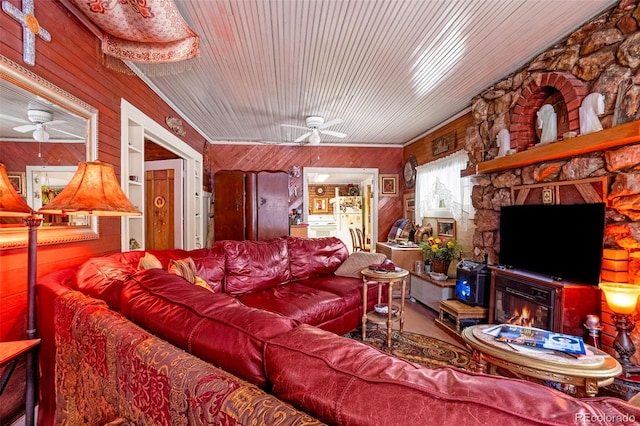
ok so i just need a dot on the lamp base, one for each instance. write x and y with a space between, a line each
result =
623 343
628 370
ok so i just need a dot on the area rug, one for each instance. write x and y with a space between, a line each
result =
424 350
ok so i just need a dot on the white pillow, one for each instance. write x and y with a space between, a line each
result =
357 261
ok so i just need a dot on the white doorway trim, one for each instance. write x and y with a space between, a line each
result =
192 188
373 174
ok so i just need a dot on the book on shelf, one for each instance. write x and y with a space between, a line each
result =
539 338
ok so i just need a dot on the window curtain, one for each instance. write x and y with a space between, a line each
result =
439 184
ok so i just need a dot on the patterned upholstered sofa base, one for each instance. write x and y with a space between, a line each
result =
107 369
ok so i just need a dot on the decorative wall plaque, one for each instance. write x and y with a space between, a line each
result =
444 143
175 124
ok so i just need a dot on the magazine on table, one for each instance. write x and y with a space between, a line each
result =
540 338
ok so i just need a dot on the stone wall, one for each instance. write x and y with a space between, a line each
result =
602 56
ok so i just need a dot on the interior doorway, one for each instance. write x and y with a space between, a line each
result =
340 217
164 206
139 134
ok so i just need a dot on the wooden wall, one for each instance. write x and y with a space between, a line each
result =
72 61
280 157
422 148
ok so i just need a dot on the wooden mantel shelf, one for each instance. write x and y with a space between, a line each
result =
623 134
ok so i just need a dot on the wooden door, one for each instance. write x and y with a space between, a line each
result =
229 205
159 205
272 205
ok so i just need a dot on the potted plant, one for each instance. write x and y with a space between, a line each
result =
440 252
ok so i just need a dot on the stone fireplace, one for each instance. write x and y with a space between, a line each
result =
604 57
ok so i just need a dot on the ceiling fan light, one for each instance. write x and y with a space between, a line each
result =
314 139
40 134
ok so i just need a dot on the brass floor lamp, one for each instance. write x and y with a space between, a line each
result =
93 190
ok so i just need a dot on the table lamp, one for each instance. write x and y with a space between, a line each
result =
622 299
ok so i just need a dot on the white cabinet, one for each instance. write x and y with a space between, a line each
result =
430 292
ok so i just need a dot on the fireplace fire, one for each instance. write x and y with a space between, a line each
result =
524 305
522 316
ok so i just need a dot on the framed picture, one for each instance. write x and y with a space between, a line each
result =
447 228
319 205
389 185
17 179
409 207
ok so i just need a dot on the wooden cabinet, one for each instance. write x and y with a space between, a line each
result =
404 257
250 205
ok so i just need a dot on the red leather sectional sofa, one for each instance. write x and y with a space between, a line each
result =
148 347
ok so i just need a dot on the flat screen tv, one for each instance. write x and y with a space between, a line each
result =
563 241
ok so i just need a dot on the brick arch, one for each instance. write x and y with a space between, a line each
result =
523 117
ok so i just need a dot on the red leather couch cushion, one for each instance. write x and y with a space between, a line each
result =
349 289
312 257
341 381
210 264
255 265
212 326
103 278
300 302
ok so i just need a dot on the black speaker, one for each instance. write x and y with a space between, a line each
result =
473 283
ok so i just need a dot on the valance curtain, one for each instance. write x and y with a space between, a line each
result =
439 185
145 31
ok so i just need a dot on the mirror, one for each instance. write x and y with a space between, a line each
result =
44 133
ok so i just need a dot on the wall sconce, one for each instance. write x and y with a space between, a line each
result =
622 299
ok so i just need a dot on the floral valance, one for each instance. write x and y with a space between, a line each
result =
148 31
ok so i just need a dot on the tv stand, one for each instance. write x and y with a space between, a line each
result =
568 302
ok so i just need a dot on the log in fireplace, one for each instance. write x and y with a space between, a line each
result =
535 300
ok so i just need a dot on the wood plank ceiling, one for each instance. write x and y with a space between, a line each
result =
391 69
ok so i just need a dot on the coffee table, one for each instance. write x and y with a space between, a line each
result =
390 279
586 374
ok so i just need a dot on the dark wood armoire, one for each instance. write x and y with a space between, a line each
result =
250 205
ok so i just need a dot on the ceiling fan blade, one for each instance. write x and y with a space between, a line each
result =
24 129
332 133
295 127
330 123
303 137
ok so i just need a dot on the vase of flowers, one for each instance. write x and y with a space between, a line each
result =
440 252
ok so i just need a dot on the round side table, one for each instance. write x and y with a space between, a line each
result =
390 279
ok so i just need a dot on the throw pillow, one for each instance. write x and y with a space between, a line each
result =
185 268
202 283
357 261
149 261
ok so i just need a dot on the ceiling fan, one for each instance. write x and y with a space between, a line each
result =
40 119
315 126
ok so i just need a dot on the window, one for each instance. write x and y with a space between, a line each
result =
439 188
